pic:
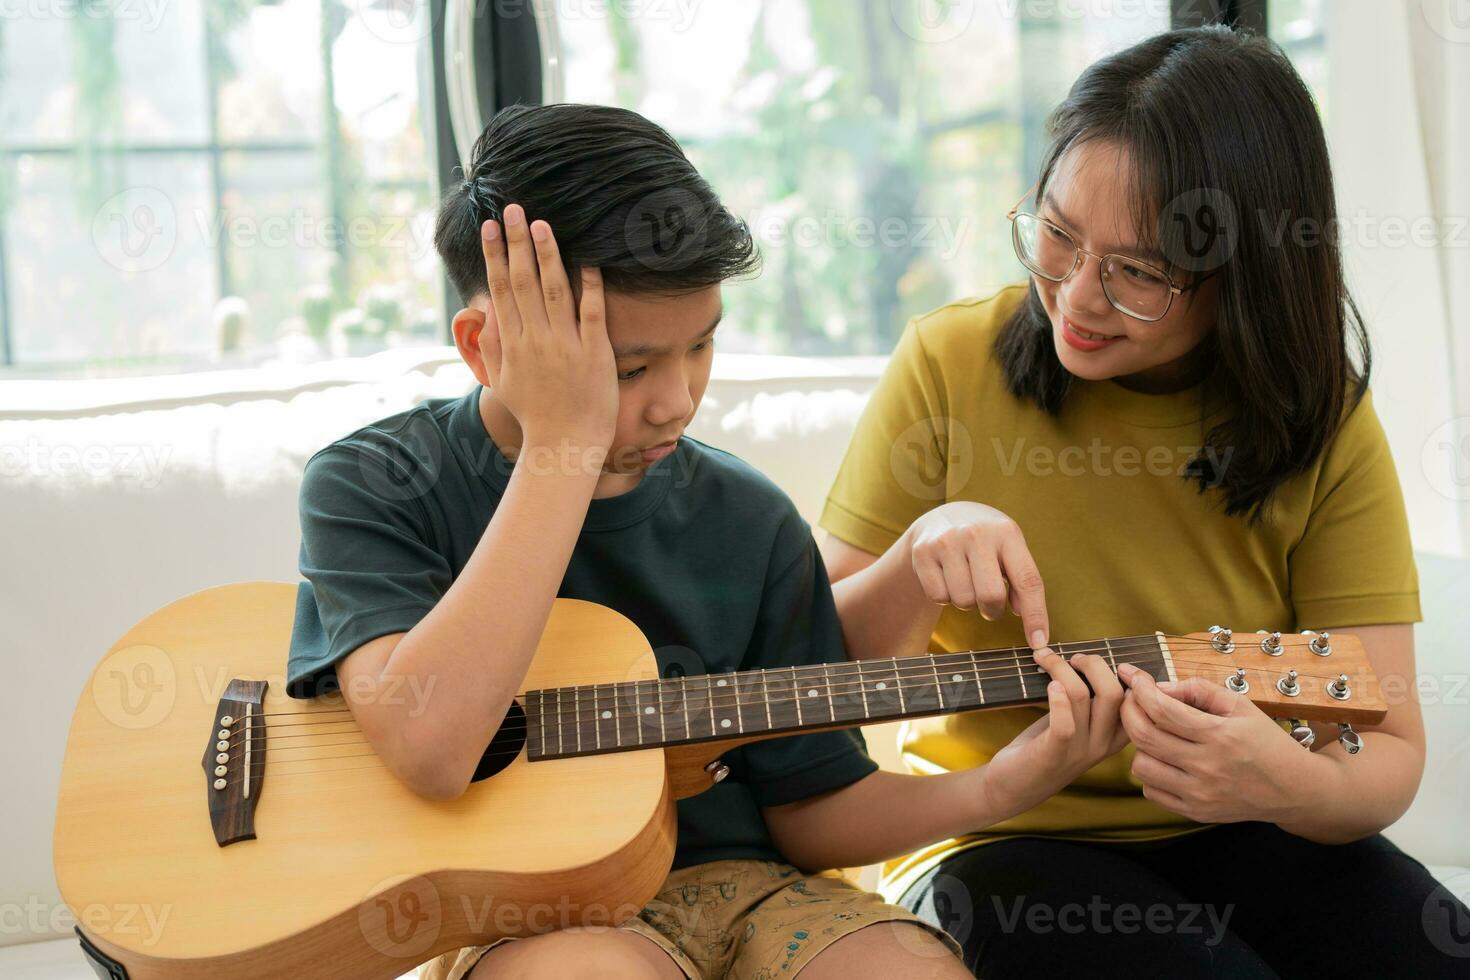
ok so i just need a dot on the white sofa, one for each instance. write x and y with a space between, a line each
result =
118 497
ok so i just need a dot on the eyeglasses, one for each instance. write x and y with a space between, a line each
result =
1134 287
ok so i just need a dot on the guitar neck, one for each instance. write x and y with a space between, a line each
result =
601 718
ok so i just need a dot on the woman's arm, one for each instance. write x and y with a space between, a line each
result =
883 608
963 554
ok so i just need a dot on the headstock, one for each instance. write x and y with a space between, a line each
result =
1312 676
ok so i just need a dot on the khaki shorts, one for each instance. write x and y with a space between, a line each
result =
738 919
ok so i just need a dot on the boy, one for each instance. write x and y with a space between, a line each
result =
436 540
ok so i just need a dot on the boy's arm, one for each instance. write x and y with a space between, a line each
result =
883 815
472 650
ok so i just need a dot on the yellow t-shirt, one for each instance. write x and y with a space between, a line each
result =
1125 544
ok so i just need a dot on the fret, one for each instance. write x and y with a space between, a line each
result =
1021 677
672 708
781 702
979 688
684 700
724 708
606 724
766 697
938 688
577 714
914 687
885 688
637 714
863 689
700 698
658 694
845 689
810 690
949 673
556 713
796 694
1112 660
617 713
740 684
536 723
652 714
831 700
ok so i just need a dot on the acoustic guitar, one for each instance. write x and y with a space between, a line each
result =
208 825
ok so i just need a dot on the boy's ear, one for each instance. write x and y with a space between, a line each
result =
477 336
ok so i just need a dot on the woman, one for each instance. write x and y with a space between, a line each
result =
1169 428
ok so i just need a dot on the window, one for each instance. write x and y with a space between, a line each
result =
232 183
873 147
214 184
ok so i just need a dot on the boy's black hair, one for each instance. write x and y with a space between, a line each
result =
617 190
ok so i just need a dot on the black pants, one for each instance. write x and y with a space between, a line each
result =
1238 900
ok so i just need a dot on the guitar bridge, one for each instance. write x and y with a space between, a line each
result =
234 761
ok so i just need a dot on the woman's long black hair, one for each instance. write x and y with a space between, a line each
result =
1220 128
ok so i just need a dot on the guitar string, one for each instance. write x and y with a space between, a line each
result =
1013 652
900 667
586 719
517 750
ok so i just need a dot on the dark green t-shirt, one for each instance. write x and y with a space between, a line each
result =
708 557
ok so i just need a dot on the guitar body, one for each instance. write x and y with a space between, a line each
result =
349 873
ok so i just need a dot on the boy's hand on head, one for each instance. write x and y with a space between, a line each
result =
552 367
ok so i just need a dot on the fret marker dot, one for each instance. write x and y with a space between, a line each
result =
607 714
812 693
648 711
956 678
882 685
724 722
719 683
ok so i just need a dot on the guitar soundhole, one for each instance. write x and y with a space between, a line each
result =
505 746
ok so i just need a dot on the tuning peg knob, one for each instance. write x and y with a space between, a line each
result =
1271 644
1339 688
1237 682
1223 639
1350 739
1288 685
718 770
1303 733
1321 645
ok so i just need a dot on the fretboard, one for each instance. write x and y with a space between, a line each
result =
600 718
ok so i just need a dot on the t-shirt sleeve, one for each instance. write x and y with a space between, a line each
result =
797 625
1354 564
369 566
895 466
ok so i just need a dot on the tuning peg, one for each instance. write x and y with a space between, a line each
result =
1339 688
1223 641
1288 685
1237 682
1302 732
1350 739
1271 644
1321 645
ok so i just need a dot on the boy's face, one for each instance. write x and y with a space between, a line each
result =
663 346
